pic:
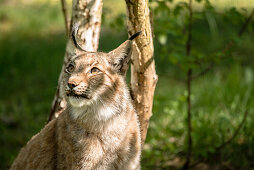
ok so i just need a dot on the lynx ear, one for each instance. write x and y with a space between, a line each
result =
120 57
74 32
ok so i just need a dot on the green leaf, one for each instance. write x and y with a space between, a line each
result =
179 7
162 39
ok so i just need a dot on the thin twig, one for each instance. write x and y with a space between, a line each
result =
189 79
66 17
189 116
235 133
246 23
188 43
203 72
224 144
228 45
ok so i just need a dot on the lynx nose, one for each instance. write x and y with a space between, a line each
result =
72 84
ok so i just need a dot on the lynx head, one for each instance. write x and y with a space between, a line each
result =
95 77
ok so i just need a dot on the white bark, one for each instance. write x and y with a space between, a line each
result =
87 14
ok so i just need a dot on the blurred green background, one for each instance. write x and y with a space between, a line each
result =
32 46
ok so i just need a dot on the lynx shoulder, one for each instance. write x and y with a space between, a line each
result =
99 129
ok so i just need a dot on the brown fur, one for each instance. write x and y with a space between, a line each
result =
99 129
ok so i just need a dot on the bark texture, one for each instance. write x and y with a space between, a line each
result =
87 14
143 74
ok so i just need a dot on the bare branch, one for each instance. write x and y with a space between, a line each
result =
203 72
189 79
188 43
66 17
235 133
189 124
246 23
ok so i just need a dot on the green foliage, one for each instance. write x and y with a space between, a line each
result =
209 27
219 102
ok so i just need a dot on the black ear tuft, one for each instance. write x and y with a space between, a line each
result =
119 58
135 35
74 32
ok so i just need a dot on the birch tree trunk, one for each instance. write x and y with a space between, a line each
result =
87 14
143 74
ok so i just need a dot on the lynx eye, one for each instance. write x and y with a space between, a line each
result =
94 70
70 68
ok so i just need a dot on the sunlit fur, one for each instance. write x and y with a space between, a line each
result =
99 128
106 90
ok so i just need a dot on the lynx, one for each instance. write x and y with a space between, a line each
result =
99 128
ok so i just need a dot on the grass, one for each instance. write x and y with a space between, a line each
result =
219 102
31 54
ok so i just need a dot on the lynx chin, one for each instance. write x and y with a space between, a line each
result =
99 128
